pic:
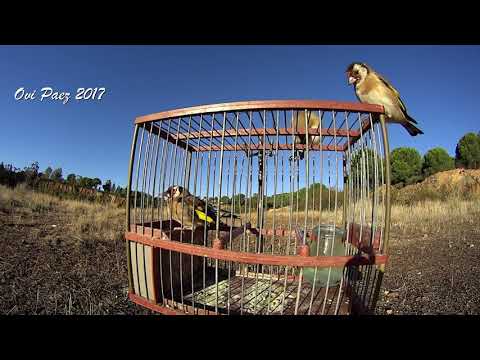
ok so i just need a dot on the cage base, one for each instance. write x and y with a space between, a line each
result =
242 295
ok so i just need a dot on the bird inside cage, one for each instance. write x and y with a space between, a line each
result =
192 212
298 122
373 88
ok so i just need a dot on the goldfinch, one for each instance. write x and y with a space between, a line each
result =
373 88
183 207
298 122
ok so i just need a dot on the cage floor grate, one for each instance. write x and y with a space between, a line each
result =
247 295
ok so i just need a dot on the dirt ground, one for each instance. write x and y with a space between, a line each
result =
42 271
435 273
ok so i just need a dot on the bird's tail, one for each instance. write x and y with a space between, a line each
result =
410 127
228 214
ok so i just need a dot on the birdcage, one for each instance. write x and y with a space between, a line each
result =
301 208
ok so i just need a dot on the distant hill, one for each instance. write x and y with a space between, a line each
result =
464 183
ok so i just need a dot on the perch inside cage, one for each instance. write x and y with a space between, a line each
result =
261 207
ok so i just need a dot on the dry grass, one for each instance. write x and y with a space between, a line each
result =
435 216
422 216
106 222
22 197
82 219
282 218
95 220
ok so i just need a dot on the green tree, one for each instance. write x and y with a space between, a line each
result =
107 186
71 179
31 172
406 165
3 174
95 183
239 201
225 200
369 165
81 181
436 160
47 173
56 175
86 182
467 152
33 168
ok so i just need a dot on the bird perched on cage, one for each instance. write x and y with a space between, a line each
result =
313 122
192 212
373 88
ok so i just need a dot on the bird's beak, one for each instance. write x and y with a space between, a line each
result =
351 80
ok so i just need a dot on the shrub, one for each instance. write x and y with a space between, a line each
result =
467 152
406 165
436 160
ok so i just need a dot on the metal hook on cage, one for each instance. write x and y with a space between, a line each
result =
293 158
251 155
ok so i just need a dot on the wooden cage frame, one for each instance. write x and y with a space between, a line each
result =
146 241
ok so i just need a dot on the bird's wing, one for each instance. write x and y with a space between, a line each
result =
212 212
203 212
202 216
226 213
395 92
390 86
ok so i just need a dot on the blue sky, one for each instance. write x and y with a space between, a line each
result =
439 85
